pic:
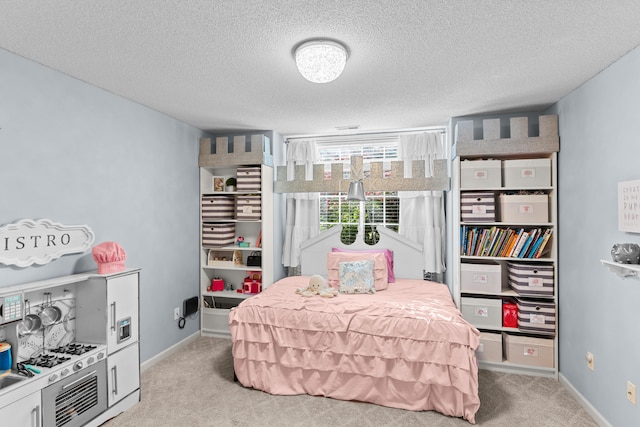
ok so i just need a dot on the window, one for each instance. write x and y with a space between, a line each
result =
380 209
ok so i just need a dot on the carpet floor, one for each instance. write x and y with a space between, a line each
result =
194 387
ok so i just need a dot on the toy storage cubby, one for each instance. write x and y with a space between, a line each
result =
505 253
232 223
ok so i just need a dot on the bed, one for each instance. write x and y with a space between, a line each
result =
406 346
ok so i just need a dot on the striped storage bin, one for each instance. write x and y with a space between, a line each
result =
248 178
536 316
249 207
216 235
531 279
478 206
217 207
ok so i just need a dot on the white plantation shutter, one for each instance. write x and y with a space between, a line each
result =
381 208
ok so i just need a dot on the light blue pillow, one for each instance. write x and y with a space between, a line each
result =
356 277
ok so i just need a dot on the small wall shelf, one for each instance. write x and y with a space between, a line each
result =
622 270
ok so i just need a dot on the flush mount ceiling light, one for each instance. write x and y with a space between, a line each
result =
321 61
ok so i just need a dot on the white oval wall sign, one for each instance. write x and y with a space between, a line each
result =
28 241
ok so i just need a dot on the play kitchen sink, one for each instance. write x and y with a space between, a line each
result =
9 380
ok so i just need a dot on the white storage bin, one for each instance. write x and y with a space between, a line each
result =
480 174
527 173
490 349
527 208
529 351
476 206
216 321
486 278
482 312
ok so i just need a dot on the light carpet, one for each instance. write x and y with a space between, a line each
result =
194 387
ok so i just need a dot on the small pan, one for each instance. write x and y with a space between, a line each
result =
31 322
50 314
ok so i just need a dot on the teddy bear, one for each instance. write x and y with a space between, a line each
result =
317 286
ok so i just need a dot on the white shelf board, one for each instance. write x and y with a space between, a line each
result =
227 294
236 268
622 270
495 258
233 248
513 368
483 189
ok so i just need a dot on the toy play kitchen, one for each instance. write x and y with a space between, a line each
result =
69 350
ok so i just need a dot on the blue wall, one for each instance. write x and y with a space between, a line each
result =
599 312
76 154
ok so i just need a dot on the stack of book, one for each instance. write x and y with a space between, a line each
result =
504 242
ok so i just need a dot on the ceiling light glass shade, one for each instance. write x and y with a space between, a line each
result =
356 191
321 61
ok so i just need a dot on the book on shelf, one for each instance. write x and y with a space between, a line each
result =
503 242
523 238
515 243
541 249
512 242
512 236
536 244
528 243
489 241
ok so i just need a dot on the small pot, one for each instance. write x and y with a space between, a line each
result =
51 314
31 322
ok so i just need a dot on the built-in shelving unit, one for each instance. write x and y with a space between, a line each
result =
227 215
500 200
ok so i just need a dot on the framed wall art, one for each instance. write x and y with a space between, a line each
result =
629 206
218 183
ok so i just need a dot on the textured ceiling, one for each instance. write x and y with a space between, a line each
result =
227 64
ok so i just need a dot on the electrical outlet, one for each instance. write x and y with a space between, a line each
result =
176 313
631 392
590 361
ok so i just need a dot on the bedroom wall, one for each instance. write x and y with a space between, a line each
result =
76 154
599 312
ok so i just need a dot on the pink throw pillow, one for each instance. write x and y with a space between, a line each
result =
388 254
379 267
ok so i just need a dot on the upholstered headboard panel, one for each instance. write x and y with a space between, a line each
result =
408 257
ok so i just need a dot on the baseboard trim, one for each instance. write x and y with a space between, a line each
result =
597 417
168 352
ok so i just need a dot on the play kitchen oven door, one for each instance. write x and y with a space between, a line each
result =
76 399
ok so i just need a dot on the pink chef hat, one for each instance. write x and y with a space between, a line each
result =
109 256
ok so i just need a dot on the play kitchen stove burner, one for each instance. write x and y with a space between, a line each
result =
57 356
74 349
46 360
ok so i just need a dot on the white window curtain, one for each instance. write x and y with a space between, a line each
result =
302 210
422 217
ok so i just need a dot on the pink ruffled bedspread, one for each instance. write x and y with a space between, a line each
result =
405 347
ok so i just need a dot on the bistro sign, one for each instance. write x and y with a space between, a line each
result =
28 241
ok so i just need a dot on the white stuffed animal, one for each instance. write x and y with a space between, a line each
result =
317 286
